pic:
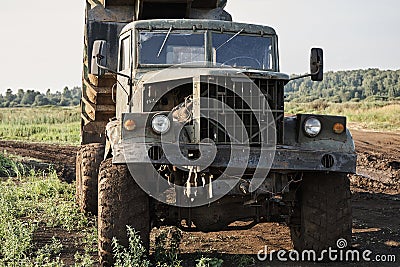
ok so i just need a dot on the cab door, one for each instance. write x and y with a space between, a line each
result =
124 86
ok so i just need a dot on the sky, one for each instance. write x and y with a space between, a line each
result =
41 41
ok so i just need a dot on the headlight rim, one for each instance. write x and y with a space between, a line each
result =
157 131
305 129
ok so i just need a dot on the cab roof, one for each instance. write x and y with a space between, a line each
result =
192 24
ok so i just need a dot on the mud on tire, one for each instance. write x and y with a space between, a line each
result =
88 160
322 214
121 202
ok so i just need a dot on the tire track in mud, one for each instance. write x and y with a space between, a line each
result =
41 156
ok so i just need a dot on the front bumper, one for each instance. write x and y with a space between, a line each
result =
284 159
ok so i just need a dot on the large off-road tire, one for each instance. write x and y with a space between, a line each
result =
88 160
322 213
97 105
122 203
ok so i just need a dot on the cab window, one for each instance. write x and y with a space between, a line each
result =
125 52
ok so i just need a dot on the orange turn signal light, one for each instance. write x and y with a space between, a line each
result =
130 125
338 128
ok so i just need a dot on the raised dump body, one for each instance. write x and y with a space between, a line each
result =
164 9
104 21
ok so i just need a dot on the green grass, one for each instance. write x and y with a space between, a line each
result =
62 124
381 116
34 201
41 124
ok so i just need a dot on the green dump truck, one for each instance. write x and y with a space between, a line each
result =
183 124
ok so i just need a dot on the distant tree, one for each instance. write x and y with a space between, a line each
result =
20 96
67 93
66 97
48 93
29 98
370 86
9 97
13 104
347 85
41 100
33 98
64 102
55 98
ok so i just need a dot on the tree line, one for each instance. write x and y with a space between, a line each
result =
340 86
343 86
32 98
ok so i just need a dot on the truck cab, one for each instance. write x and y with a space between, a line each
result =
153 45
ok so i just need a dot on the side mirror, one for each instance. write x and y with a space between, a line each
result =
99 58
317 64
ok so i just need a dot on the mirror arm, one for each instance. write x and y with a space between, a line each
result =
307 75
300 77
112 71
116 73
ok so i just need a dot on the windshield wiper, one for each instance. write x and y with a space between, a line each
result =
165 41
230 39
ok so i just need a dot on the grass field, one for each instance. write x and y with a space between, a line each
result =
380 116
34 207
62 125
41 124
40 225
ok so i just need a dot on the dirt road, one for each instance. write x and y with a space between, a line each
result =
61 157
375 202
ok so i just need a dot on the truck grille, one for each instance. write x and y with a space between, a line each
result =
233 92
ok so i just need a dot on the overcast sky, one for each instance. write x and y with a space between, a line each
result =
41 40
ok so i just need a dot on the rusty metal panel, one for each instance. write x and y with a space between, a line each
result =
285 159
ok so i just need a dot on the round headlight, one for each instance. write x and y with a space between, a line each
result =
312 127
160 124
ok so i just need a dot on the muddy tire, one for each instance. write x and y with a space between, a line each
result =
88 160
78 177
322 214
97 105
121 203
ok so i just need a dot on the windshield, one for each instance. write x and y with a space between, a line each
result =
171 48
254 52
228 49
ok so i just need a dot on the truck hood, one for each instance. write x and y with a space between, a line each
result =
181 73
